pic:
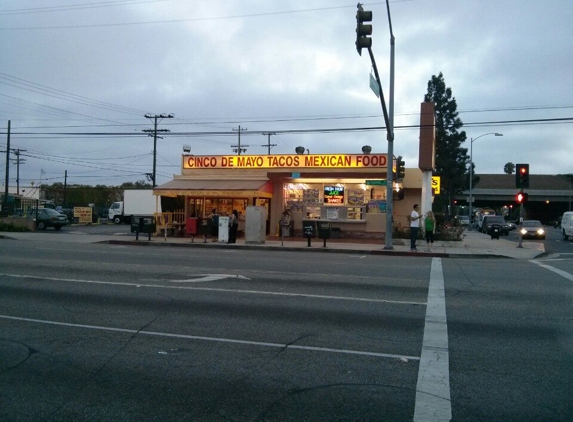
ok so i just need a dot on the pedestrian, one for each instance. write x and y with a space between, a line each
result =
430 226
214 225
414 227
233 226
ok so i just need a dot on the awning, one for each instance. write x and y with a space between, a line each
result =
216 188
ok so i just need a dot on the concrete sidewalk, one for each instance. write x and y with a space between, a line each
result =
473 245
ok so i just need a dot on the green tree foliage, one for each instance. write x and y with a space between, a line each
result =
509 168
451 157
82 195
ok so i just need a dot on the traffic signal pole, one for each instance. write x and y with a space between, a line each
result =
362 41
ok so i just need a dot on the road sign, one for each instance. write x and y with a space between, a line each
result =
376 183
374 86
436 184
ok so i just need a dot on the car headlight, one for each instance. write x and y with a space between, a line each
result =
540 231
523 231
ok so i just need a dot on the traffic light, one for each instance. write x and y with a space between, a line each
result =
522 176
400 168
363 30
521 197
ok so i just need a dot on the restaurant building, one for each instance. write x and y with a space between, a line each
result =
349 190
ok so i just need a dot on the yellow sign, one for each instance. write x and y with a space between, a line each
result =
84 214
436 185
284 161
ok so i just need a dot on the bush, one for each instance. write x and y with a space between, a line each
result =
444 232
9 227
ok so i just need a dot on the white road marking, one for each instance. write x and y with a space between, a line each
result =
210 289
210 277
433 403
555 270
216 339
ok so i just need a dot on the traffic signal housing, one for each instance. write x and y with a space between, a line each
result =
400 168
521 197
363 30
522 176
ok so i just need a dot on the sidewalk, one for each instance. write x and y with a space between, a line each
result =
473 245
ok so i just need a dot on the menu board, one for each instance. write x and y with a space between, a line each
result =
310 197
333 195
355 197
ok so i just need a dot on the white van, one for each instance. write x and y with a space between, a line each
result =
567 225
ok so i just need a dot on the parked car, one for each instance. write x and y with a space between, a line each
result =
511 225
532 229
490 220
464 220
48 217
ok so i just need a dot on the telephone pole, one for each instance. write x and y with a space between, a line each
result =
18 161
5 200
269 145
153 132
237 148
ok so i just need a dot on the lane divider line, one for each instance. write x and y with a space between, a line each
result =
215 339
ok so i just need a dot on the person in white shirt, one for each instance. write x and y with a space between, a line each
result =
414 226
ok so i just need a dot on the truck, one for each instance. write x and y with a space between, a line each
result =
137 202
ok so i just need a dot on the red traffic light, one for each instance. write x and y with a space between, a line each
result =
521 197
522 176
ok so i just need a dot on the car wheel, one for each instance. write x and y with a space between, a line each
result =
57 227
565 237
41 225
117 220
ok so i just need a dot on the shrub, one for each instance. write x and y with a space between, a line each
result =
9 227
445 232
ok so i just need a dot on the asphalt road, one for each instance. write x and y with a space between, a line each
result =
104 332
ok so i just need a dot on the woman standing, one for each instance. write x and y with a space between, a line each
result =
233 226
430 226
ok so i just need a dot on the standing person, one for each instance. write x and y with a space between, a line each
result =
233 226
414 227
430 226
214 225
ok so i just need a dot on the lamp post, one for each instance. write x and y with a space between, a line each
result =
472 172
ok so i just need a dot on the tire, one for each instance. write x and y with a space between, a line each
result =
117 219
565 237
41 225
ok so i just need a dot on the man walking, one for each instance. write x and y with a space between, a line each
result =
414 227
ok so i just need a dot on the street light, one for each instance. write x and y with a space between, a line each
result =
472 171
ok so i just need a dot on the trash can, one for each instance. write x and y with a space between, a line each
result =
324 229
309 228
494 231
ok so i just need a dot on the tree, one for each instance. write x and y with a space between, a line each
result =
509 168
451 157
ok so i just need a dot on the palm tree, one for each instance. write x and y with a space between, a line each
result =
509 168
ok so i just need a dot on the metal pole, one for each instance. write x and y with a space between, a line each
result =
5 201
389 175
154 150
471 183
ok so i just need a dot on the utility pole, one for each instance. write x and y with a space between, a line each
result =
5 201
237 148
65 188
269 145
153 132
18 161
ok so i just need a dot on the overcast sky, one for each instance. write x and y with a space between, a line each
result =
94 68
